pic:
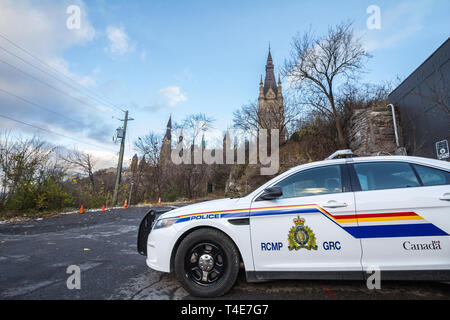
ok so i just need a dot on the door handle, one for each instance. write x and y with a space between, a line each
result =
335 204
445 197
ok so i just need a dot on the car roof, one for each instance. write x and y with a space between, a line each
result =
412 159
440 164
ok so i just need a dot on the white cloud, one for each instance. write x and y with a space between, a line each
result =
84 80
171 96
119 42
397 25
46 34
103 159
43 27
166 97
40 28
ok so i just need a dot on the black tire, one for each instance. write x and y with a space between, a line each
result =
226 259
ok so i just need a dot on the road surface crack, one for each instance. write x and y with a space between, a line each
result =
150 285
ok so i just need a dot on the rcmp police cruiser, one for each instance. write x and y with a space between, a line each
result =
331 219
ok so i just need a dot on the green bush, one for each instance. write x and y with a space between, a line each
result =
47 196
172 194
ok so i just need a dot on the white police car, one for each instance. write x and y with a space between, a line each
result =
333 219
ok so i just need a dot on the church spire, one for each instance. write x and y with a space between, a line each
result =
261 89
166 146
269 58
270 81
279 93
169 129
270 106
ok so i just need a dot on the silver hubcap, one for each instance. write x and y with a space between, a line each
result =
206 262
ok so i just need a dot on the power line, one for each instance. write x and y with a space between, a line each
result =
39 106
42 107
55 133
95 96
51 75
55 70
49 85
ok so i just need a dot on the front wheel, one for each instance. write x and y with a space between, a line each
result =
207 263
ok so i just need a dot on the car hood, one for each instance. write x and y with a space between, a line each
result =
206 206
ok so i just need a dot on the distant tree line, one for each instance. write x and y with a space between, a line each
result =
37 177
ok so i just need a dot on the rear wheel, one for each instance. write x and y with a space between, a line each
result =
207 263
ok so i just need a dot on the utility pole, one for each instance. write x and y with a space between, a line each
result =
122 150
131 191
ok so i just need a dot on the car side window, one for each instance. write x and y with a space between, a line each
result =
311 182
385 175
431 176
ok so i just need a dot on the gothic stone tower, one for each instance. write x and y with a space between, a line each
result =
270 101
165 155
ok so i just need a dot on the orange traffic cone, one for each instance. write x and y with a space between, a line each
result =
81 209
126 204
159 201
103 208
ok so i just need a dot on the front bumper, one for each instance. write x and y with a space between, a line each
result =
159 248
146 227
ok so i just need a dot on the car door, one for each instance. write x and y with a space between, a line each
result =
403 212
300 231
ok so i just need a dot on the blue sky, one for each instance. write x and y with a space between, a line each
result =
179 57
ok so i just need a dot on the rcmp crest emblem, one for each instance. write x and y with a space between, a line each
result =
301 236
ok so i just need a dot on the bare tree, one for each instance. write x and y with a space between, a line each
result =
318 65
149 170
149 146
360 96
248 118
159 178
192 177
80 160
194 125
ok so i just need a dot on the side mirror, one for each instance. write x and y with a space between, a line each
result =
270 194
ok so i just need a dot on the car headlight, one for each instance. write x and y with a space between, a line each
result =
164 223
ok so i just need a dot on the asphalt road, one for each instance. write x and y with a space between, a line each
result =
35 255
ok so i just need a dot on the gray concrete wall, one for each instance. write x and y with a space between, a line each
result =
423 101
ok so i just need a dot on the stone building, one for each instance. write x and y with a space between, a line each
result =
270 101
166 148
370 131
